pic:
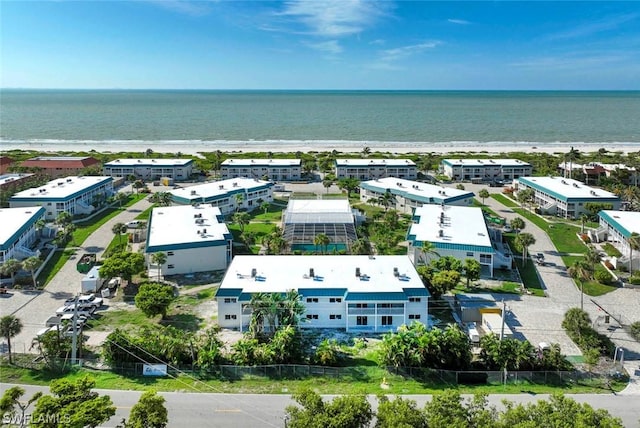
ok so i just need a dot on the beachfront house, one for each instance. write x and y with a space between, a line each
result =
305 219
406 195
194 239
356 293
370 169
565 197
19 232
460 232
60 166
485 170
229 195
75 195
150 169
593 171
9 182
616 227
5 164
264 169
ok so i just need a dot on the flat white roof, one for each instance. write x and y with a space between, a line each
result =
15 219
415 190
318 211
7 178
184 225
566 187
375 162
282 273
262 162
627 220
219 188
61 188
459 226
486 162
148 162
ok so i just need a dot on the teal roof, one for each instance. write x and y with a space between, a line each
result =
359 296
417 292
321 292
613 222
229 292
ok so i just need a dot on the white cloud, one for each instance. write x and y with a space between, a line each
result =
330 46
333 18
605 24
377 42
458 21
388 58
186 7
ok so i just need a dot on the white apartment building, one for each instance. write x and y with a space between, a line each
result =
271 169
357 293
75 195
564 197
228 195
460 232
369 169
485 169
150 169
18 232
617 227
408 195
194 238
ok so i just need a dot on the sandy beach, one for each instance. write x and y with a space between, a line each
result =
193 147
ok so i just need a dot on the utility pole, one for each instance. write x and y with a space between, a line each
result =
74 339
504 311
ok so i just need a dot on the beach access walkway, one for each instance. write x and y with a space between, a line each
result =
36 307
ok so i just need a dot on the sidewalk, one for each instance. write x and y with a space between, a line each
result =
66 283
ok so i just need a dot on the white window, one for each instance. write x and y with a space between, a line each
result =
230 317
414 299
387 320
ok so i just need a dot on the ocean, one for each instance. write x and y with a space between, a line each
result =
188 118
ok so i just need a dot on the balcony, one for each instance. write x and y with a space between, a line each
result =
360 311
390 311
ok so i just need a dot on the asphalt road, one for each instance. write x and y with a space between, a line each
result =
254 410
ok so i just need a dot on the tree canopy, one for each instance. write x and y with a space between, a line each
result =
154 298
122 264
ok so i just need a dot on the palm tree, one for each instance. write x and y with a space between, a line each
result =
118 229
120 198
138 184
241 219
366 151
517 224
292 309
484 193
386 200
634 244
583 218
581 271
159 259
64 219
265 206
162 199
259 307
327 183
592 256
525 240
361 246
321 240
10 267
39 225
10 326
239 197
32 264
428 248
574 154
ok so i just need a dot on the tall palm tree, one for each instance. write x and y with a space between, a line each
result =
572 155
525 240
118 229
517 224
162 199
40 225
259 307
584 218
484 193
361 246
592 256
322 240
10 326
10 267
582 271
32 264
634 244
241 219
239 198
159 259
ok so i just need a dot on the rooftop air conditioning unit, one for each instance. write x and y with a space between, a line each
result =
193 192
254 272
221 187
396 273
440 233
235 184
204 231
311 273
68 180
357 271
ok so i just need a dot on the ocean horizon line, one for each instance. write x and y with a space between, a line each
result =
326 90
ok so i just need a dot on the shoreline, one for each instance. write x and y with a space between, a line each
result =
279 146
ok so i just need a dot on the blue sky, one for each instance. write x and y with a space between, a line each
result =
321 44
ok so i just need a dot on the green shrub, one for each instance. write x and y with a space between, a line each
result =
635 280
611 250
602 276
635 330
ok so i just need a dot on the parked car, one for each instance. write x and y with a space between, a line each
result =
90 300
507 229
134 224
62 310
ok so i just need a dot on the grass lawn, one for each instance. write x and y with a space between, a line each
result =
54 264
506 287
146 214
562 235
504 200
611 250
273 214
369 210
87 228
591 288
486 209
259 230
355 380
528 272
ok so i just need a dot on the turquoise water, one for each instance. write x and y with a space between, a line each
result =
423 117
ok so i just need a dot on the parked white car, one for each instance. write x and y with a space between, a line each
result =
62 310
90 300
